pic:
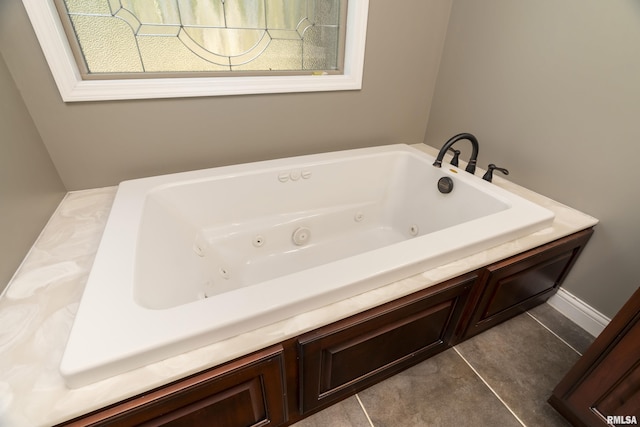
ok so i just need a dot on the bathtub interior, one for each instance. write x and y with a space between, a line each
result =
189 259
200 238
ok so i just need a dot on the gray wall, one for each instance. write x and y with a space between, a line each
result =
552 91
30 188
102 143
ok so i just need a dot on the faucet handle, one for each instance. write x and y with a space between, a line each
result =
488 176
456 156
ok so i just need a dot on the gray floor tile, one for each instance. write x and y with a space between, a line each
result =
347 413
441 391
573 334
522 361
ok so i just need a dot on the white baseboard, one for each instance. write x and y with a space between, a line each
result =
579 312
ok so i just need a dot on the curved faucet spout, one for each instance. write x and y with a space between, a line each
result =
471 166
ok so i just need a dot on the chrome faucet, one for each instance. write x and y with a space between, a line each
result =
471 166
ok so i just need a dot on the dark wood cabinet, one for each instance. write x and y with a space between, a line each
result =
248 392
603 387
342 358
510 287
285 383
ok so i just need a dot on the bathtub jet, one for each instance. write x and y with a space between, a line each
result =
193 258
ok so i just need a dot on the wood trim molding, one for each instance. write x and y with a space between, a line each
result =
578 311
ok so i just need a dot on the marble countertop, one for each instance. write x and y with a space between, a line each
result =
38 306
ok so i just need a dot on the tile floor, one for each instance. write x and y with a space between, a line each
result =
501 377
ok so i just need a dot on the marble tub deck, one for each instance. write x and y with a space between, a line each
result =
38 307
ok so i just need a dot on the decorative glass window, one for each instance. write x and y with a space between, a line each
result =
123 49
155 36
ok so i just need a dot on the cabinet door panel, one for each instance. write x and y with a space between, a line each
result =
243 393
603 387
603 391
400 338
510 287
241 405
513 286
352 354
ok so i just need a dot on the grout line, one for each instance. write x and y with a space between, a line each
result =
556 335
490 388
364 410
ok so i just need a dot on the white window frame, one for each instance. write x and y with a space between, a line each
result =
53 40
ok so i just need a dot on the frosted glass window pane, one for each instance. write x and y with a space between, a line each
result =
280 55
327 12
156 36
286 14
320 48
153 11
244 14
169 54
202 13
100 7
107 44
226 41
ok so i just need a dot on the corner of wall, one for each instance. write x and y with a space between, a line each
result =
30 187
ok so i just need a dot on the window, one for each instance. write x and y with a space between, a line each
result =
200 47
148 37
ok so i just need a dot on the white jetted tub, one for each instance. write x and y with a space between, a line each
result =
192 258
